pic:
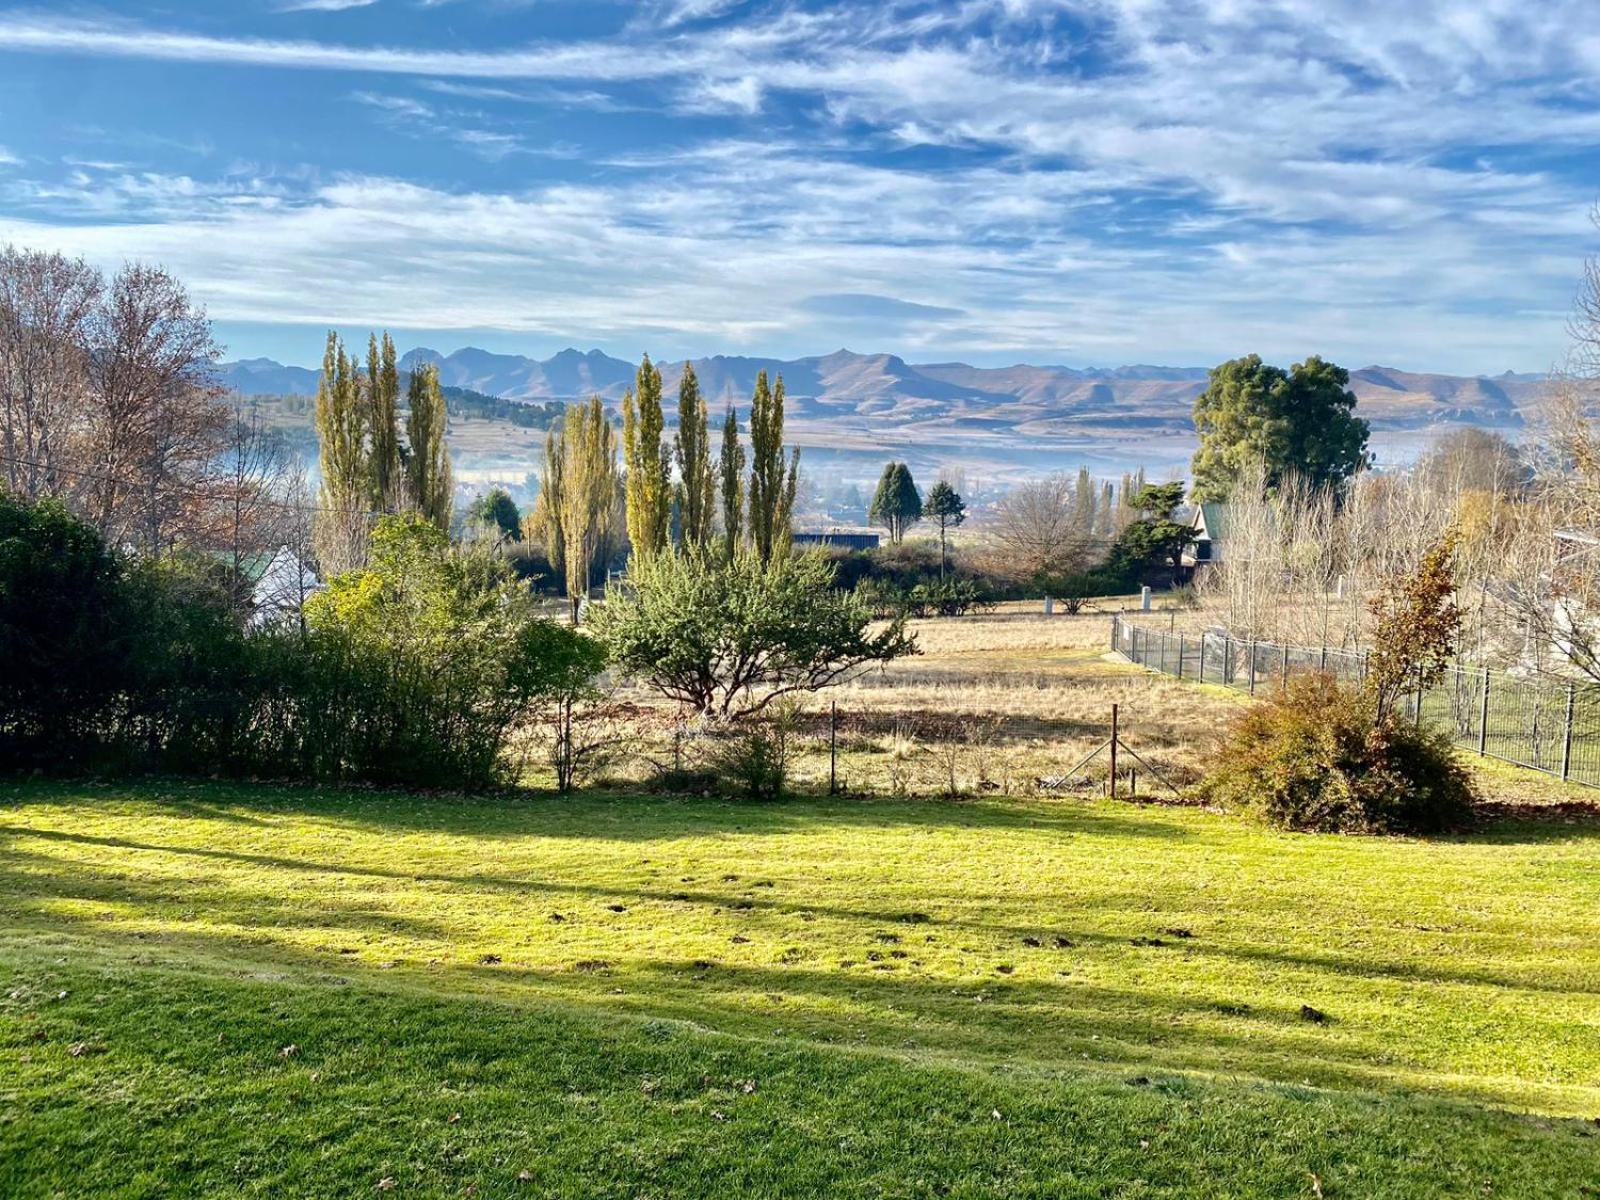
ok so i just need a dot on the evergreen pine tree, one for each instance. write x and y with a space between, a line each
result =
945 505
896 505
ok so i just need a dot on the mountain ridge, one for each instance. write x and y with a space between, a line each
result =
846 388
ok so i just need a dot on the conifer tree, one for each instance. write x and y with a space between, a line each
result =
428 463
649 468
944 505
383 405
772 488
731 469
697 484
896 505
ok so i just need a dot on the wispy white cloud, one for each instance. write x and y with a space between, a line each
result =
323 5
1164 177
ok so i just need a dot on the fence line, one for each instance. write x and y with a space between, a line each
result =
1547 725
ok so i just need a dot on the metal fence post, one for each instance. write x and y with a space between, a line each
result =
1566 738
1284 682
1227 660
1483 716
1180 656
1202 658
1419 698
1252 666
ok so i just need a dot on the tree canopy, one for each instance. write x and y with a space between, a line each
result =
896 505
496 508
1301 421
727 637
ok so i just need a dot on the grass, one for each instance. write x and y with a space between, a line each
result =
210 989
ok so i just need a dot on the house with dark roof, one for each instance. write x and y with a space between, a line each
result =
1209 528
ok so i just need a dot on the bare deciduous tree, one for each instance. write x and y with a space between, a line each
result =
46 304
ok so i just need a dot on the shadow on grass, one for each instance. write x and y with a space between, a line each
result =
606 815
1033 1025
22 872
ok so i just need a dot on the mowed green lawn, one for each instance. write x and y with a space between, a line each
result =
208 989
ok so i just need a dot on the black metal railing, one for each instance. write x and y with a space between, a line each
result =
1550 725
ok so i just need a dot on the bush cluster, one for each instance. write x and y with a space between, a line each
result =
412 671
940 598
1316 757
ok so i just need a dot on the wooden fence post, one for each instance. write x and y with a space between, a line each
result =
833 749
1113 751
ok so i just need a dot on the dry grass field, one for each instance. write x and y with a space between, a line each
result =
1007 702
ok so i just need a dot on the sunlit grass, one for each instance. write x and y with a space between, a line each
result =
1044 945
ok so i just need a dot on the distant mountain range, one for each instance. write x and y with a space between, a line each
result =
858 391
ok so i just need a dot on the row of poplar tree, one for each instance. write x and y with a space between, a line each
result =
711 505
367 470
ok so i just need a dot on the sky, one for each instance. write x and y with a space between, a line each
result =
1085 182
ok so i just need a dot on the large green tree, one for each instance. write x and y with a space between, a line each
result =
497 510
648 464
697 486
1146 550
896 505
945 506
727 637
772 486
1298 422
428 460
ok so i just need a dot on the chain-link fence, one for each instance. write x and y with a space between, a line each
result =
1549 725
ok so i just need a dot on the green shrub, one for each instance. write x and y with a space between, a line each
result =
728 637
1314 757
752 759
415 671
67 633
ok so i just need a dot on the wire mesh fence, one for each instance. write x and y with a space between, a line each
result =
1549 725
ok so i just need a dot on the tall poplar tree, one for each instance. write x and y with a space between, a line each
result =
428 464
383 415
340 532
697 487
772 487
588 483
731 469
648 462
550 504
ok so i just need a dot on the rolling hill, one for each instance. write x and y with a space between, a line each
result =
859 406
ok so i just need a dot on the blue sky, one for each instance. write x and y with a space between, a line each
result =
1054 181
